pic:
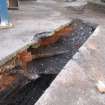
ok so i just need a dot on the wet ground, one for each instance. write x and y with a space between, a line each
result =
48 68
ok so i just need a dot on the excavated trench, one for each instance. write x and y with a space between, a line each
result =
27 92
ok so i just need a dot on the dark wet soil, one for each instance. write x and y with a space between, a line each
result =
49 67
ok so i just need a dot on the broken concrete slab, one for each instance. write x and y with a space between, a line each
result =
76 84
32 18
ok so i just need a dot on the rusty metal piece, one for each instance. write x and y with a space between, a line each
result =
57 35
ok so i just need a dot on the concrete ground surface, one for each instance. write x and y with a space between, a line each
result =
76 83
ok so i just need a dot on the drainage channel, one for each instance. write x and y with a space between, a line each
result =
27 92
